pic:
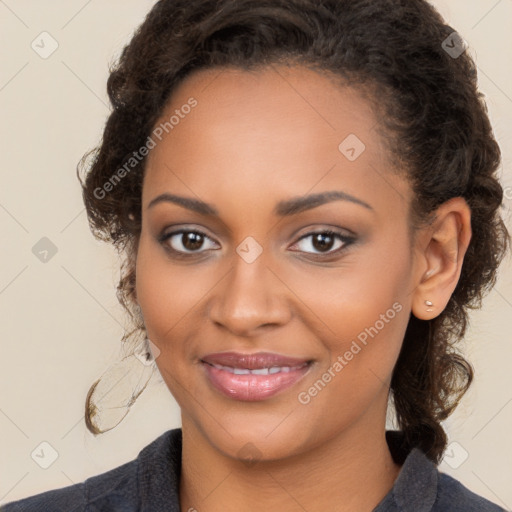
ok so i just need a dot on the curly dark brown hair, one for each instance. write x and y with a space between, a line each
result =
430 111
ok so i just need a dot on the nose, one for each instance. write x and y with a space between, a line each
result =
251 298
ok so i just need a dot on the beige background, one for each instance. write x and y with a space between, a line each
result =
60 322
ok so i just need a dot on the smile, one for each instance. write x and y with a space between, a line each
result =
258 371
253 377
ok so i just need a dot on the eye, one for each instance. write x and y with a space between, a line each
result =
185 241
323 242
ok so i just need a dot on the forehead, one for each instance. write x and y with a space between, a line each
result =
288 130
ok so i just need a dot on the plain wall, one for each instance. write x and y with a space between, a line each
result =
60 321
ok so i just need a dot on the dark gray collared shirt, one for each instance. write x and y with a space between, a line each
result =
150 483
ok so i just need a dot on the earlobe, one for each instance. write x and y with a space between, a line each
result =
426 309
445 243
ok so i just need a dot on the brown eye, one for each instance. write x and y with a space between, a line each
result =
185 241
191 241
323 242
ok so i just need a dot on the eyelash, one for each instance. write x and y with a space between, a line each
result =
346 240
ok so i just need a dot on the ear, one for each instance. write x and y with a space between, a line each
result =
440 253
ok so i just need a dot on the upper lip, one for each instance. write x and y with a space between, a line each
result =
253 361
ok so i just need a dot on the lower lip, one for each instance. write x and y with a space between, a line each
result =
252 388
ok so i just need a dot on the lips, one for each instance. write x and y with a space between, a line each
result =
253 377
253 361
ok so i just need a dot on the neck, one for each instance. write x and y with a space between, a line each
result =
354 470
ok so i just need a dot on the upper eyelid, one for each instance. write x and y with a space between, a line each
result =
166 234
346 239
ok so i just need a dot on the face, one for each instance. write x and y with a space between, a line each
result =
320 289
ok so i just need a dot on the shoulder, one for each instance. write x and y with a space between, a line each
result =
422 487
454 496
116 489
114 486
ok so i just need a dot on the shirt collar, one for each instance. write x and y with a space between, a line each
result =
158 473
416 485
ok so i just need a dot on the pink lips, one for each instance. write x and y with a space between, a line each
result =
253 377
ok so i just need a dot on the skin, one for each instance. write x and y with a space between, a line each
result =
254 139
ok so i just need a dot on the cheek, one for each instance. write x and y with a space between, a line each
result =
155 289
369 290
360 311
169 294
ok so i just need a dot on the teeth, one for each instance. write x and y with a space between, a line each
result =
257 371
261 371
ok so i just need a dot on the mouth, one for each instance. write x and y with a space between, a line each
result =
253 377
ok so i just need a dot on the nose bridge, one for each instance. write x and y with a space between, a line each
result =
252 296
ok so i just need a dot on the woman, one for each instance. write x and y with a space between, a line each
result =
305 195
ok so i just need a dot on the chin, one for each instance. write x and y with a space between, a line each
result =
264 436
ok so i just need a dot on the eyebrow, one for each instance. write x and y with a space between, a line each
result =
284 208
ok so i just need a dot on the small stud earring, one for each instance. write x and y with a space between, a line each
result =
429 303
